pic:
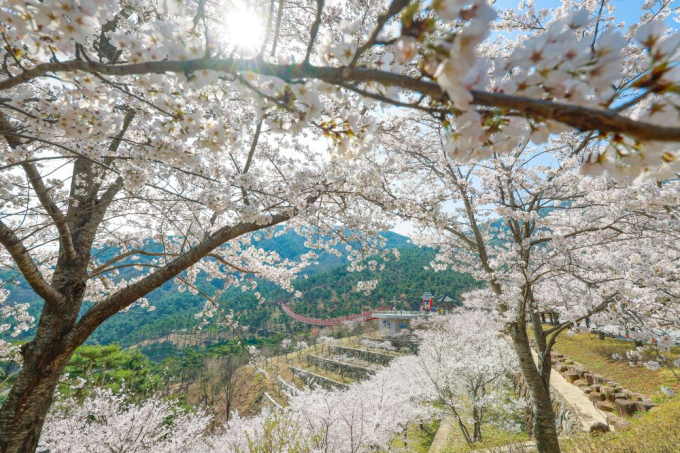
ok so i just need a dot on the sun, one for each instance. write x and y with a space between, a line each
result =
243 29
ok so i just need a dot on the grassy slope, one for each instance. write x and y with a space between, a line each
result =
492 437
595 355
656 432
418 437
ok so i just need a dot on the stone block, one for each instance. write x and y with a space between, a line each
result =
589 378
608 393
587 390
620 396
571 377
616 422
644 406
637 397
626 408
563 368
599 427
580 383
595 396
604 406
595 387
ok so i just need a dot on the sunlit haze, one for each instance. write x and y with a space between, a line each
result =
243 29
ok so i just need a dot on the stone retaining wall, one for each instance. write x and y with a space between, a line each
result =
271 401
566 420
313 379
286 387
398 342
341 368
368 356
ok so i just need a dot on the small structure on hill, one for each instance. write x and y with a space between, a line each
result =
443 304
446 303
392 322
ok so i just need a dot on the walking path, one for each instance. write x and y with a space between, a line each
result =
439 442
588 415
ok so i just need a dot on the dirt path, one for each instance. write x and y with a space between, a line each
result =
442 436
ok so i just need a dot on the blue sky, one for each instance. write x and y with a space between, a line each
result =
628 11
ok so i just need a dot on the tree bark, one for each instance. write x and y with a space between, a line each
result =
23 413
543 415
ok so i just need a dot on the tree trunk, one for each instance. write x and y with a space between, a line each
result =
23 414
28 402
477 424
543 415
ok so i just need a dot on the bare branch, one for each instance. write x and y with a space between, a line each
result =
395 7
42 192
315 29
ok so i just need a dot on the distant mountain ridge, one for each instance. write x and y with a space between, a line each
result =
328 291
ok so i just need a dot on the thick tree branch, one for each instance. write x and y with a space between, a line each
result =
582 118
279 16
27 266
123 298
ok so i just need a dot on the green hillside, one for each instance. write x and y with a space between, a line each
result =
328 290
332 293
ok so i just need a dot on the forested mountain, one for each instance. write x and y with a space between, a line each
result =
328 290
325 294
332 293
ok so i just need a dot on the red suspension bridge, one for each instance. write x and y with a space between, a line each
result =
342 320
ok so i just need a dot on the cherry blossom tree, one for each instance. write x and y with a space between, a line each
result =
369 414
363 417
106 421
96 219
285 346
300 346
375 344
544 239
465 364
505 208
148 129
